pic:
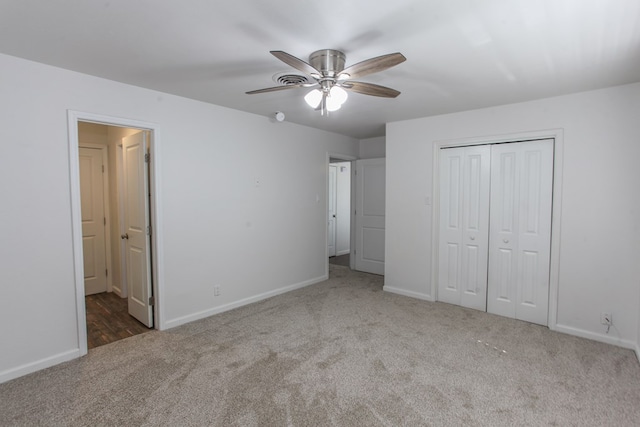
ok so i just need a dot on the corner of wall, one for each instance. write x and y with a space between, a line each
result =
372 148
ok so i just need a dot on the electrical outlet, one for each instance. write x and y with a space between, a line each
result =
605 318
216 291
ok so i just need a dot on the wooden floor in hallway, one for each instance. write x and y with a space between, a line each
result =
108 320
340 260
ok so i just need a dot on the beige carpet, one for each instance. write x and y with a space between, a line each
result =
341 352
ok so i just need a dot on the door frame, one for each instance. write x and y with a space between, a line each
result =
157 260
556 204
333 196
107 207
345 158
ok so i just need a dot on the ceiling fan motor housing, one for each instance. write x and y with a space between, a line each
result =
328 61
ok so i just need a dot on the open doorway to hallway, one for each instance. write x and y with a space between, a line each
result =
339 212
114 199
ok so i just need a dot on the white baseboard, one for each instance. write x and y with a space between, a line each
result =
117 290
608 339
230 306
412 294
638 351
345 252
31 367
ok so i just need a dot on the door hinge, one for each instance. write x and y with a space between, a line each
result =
152 300
148 230
106 273
104 220
147 158
102 168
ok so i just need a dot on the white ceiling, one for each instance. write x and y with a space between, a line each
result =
461 54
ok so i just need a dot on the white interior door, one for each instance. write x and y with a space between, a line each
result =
520 239
464 226
137 228
332 207
93 220
370 215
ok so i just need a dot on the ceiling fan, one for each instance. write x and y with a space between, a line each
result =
332 79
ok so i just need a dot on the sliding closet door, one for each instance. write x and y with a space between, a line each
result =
520 236
464 223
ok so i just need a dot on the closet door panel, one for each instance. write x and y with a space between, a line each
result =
475 226
449 259
503 239
464 221
535 231
521 195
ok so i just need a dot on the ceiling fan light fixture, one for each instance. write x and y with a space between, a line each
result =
313 98
332 106
336 97
339 95
333 101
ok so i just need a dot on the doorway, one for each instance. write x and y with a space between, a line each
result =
112 310
339 213
339 208
126 306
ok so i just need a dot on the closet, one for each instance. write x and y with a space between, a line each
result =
495 228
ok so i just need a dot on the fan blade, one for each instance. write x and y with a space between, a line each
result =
296 63
370 89
372 65
277 88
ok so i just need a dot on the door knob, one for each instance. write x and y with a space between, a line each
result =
505 240
472 237
124 236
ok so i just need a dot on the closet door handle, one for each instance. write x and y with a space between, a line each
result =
472 237
505 240
124 236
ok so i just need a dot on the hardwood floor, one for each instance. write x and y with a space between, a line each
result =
108 320
340 260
